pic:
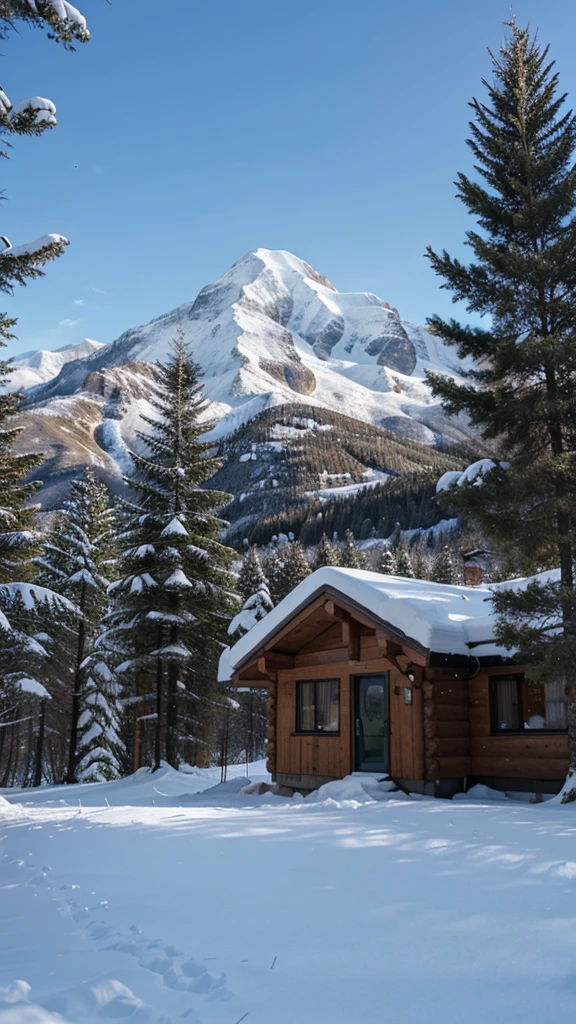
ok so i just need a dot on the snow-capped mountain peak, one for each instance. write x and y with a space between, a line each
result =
272 330
33 368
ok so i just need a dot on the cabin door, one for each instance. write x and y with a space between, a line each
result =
371 716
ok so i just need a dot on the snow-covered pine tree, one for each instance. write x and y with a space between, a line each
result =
443 570
420 565
174 600
251 575
19 538
296 567
255 607
74 565
404 564
18 264
324 554
248 720
274 570
386 563
100 747
350 557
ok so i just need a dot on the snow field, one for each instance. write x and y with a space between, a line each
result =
158 899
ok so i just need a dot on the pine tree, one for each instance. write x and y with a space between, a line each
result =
19 264
324 555
18 536
274 569
386 563
174 599
255 607
100 748
404 564
443 567
74 565
349 556
251 576
296 567
420 566
520 389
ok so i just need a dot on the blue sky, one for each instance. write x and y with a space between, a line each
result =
330 128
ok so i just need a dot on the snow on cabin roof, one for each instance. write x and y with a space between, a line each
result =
439 617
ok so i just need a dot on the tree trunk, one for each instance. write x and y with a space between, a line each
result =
172 716
76 693
158 730
172 706
40 746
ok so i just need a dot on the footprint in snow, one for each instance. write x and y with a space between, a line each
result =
151 955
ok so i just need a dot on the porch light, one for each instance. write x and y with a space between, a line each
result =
407 695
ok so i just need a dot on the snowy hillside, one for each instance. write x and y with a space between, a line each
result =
34 368
272 331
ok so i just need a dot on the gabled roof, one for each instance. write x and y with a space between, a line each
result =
440 618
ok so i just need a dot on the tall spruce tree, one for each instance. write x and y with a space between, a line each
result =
520 390
74 565
174 600
18 535
274 569
324 554
251 576
296 567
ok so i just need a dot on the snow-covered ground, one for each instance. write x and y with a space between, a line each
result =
163 899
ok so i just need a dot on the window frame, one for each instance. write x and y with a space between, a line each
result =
316 732
519 678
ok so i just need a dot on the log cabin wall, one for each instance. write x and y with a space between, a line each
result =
447 745
332 756
515 756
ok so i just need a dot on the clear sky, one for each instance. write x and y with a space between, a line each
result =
192 131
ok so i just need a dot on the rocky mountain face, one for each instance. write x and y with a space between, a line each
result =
270 332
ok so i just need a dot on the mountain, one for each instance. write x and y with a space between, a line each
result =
272 334
33 368
273 331
305 470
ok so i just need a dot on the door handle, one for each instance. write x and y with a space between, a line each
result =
358 727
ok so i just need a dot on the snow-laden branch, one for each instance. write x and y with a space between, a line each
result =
44 109
33 248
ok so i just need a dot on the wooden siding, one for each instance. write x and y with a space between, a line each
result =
327 755
522 756
333 755
446 726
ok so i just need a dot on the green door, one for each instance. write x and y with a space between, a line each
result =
371 723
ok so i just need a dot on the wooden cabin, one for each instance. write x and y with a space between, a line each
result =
372 673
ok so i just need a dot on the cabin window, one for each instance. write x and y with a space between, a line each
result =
318 705
518 704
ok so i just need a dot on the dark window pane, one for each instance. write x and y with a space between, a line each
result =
506 704
318 705
555 704
327 706
519 703
307 722
533 705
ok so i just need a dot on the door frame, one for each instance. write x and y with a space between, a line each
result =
354 681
